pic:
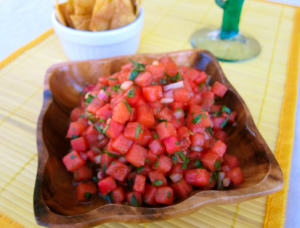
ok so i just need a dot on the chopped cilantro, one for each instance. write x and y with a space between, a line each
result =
133 201
112 79
166 125
174 159
82 115
184 165
197 119
99 128
128 106
104 87
183 157
175 78
225 122
72 156
105 128
217 164
177 143
138 129
111 154
131 92
157 183
225 109
201 85
133 74
101 121
155 135
89 99
198 164
210 131
74 136
161 120
169 194
88 195
156 164
104 167
162 81
139 66
116 87
141 168
147 161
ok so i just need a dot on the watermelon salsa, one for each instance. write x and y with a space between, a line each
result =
150 134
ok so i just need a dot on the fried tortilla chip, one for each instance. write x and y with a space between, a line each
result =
59 15
102 15
81 22
66 13
123 14
84 7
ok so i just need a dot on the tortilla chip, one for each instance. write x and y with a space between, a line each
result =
59 15
123 15
64 10
81 22
102 15
137 7
84 7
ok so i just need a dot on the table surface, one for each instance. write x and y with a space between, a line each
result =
23 21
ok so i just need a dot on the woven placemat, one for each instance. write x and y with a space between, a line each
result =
268 84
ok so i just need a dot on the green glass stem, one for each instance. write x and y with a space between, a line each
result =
231 17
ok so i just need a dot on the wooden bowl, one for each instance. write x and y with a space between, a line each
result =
54 204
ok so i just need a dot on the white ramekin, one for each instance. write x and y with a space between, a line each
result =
82 45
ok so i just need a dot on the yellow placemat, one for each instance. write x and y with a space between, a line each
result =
268 84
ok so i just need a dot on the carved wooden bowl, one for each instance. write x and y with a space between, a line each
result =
54 204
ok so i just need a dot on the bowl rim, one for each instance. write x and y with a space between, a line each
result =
270 184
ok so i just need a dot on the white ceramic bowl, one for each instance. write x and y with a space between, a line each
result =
83 45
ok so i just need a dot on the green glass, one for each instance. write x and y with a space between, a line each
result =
227 43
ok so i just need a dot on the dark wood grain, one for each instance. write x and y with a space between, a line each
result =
54 204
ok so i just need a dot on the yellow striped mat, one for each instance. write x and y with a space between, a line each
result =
268 84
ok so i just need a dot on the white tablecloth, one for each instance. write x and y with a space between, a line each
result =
23 20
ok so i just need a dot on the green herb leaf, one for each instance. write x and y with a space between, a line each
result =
201 85
133 201
184 165
104 88
177 143
82 115
198 164
210 131
133 74
99 128
156 164
225 109
217 164
74 136
175 78
180 109
166 125
197 119
89 99
217 113
104 167
131 92
161 120
174 160
147 161
95 180
105 128
88 195
101 121
130 183
139 66
169 194
162 81
191 133
116 87
155 135
72 156
112 79
157 183
138 130
111 154
141 168
225 122
128 106
183 157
